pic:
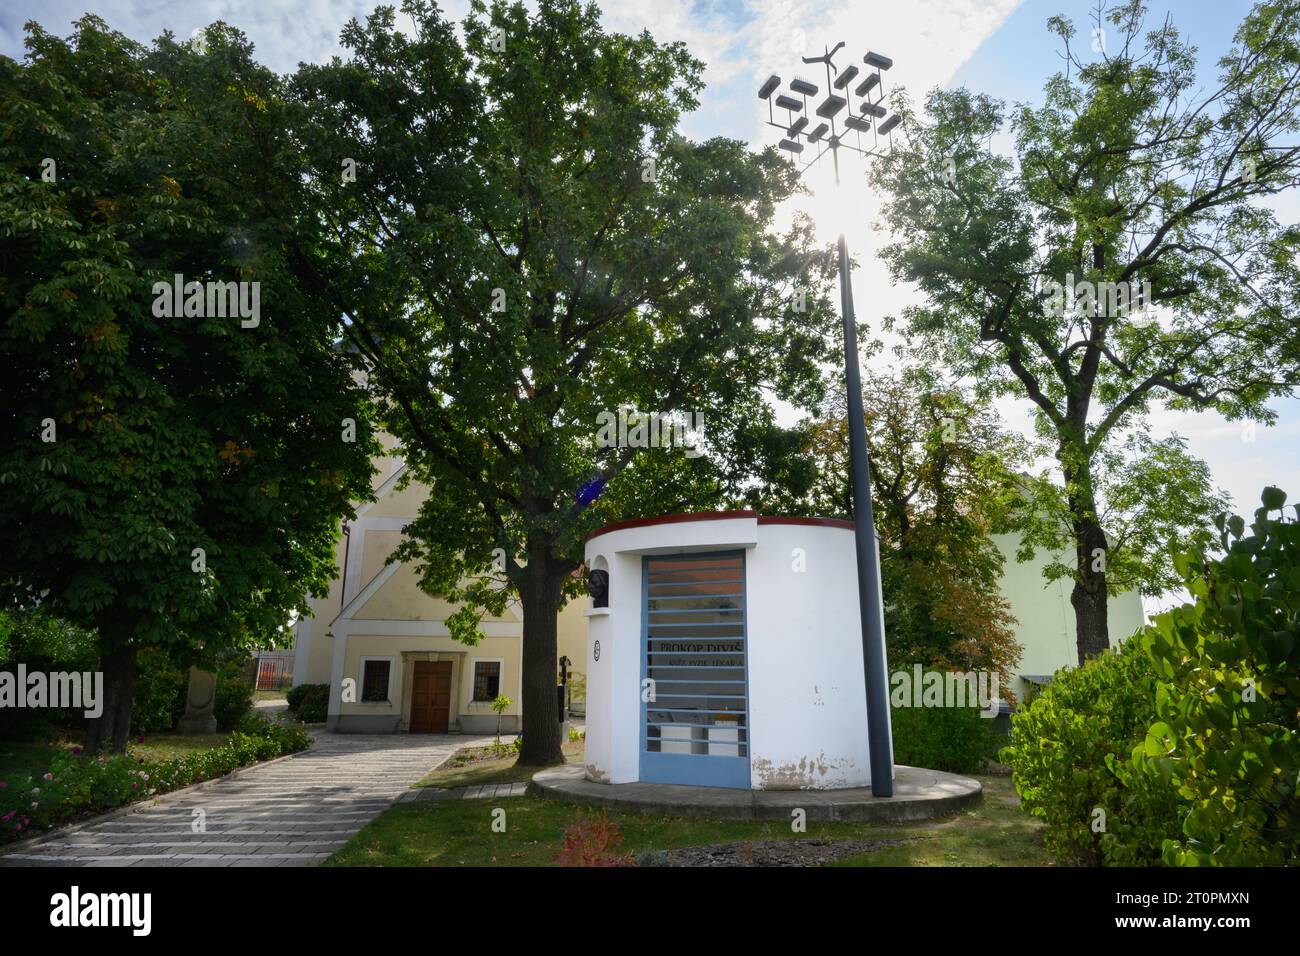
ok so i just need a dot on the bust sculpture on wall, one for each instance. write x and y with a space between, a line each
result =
598 588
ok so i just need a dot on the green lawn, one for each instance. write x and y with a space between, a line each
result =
995 833
16 757
459 833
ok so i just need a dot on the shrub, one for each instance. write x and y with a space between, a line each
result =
1062 745
290 735
1226 731
310 702
42 642
593 841
955 739
234 696
76 784
294 695
160 689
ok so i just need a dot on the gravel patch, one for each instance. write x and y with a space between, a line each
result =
767 853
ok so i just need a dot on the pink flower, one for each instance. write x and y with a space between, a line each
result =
3 784
17 827
8 816
48 776
134 786
76 751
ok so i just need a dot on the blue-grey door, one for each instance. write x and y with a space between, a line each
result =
694 670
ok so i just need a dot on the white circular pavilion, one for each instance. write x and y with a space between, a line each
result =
728 653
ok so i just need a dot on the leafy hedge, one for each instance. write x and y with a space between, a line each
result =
310 702
77 784
159 698
1226 736
46 643
955 739
1061 747
1188 739
233 698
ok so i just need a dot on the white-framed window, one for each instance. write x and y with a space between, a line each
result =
377 680
487 679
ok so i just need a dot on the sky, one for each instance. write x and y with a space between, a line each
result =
998 47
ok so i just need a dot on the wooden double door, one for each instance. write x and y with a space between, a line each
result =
431 697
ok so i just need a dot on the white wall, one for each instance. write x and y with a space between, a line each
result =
613 744
600 719
807 691
807 708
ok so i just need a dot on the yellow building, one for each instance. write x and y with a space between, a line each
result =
382 644
1045 625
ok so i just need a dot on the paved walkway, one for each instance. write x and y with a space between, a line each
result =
292 812
488 791
271 707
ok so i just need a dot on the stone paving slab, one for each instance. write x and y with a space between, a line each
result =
484 792
919 794
295 811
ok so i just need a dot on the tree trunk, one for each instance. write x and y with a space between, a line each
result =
539 593
1091 628
1092 634
112 728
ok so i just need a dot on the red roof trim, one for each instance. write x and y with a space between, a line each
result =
822 522
671 519
717 516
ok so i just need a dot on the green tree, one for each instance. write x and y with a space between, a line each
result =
1153 500
500 705
1133 176
944 479
169 480
527 244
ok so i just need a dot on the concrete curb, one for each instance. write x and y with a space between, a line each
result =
59 832
919 794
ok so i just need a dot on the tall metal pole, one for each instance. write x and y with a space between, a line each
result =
871 607
870 599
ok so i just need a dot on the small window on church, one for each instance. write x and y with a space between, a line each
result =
374 680
487 680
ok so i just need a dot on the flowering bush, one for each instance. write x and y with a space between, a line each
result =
77 784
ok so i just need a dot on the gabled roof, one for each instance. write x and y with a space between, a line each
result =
366 593
384 490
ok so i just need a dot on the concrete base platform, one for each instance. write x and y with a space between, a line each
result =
918 795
